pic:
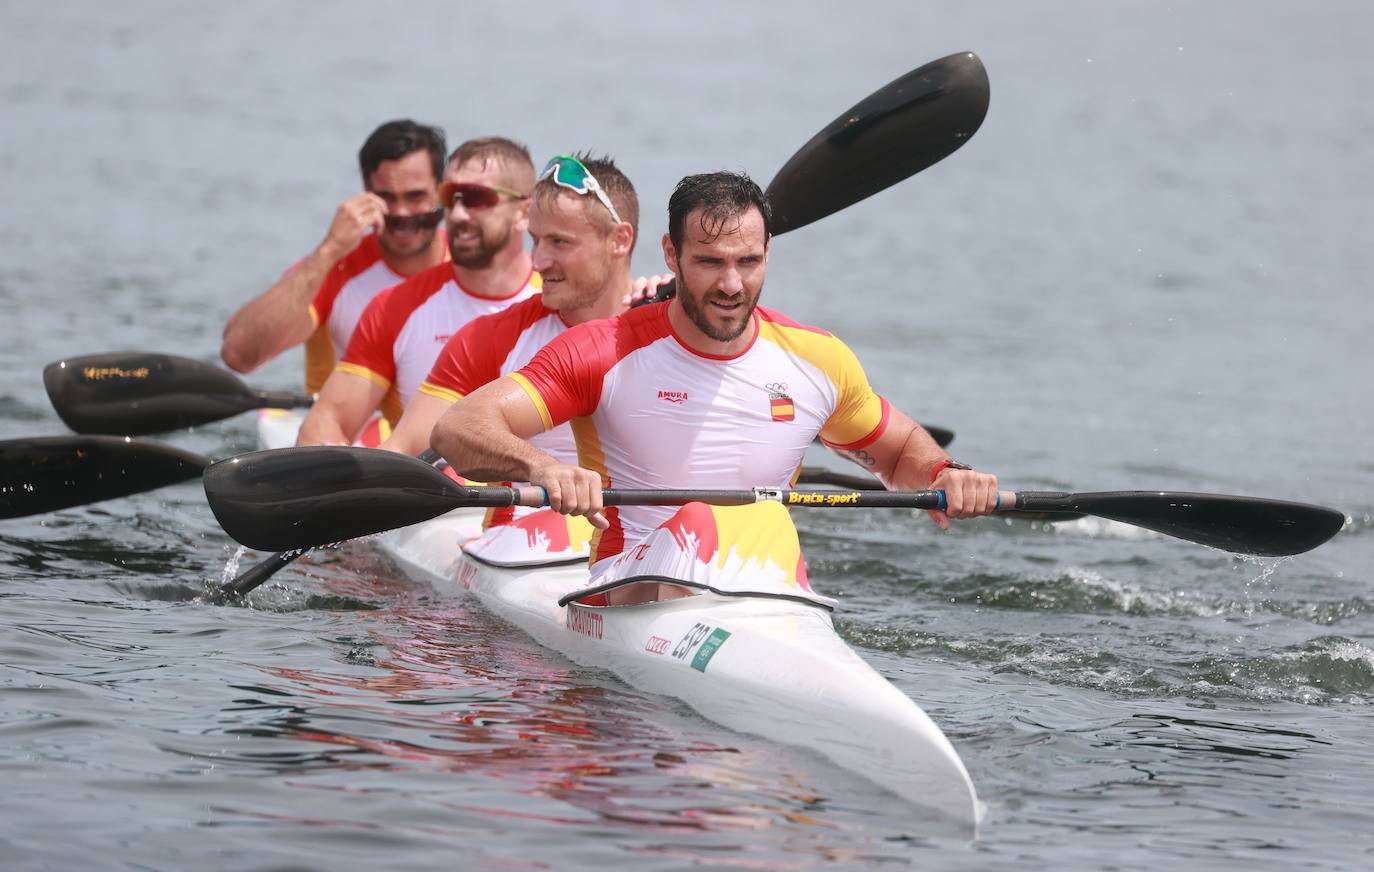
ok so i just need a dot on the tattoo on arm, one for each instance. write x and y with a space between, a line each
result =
861 457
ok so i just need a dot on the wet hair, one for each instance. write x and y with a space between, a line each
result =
720 196
517 167
616 185
396 139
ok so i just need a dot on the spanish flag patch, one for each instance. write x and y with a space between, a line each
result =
782 408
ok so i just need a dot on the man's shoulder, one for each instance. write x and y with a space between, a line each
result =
776 319
419 287
512 320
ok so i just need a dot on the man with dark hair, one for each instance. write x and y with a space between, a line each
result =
485 191
319 300
709 391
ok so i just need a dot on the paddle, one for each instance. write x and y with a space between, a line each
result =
133 394
900 129
264 569
294 498
58 472
819 475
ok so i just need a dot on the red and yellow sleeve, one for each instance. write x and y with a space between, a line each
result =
564 378
860 414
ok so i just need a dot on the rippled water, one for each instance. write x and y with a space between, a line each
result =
1148 270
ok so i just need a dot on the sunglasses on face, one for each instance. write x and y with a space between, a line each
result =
411 223
569 172
475 196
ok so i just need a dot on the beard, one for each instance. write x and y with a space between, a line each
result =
696 311
488 245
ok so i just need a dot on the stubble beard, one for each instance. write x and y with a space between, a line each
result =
483 256
728 332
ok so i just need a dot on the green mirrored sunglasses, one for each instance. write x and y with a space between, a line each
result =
569 172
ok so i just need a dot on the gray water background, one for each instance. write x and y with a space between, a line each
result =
1149 269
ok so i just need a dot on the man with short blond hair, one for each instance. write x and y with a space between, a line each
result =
581 248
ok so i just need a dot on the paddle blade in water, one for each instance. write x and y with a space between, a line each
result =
900 129
1245 525
58 472
292 498
131 393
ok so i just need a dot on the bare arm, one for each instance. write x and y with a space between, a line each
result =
483 437
279 318
412 433
903 457
345 403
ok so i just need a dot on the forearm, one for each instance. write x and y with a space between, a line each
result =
345 404
483 449
412 433
322 427
277 319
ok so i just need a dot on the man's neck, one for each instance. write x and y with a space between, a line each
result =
609 302
693 338
509 272
432 255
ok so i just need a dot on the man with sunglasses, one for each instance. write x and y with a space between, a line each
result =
584 222
486 194
705 391
319 300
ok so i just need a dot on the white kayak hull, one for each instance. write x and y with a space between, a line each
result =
770 667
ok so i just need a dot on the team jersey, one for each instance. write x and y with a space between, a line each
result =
493 346
647 411
338 303
402 331
497 345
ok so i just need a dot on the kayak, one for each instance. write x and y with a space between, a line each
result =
768 666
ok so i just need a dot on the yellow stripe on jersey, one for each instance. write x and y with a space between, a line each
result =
533 395
362 372
442 393
858 409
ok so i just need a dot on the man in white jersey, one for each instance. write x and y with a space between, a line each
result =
319 300
486 192
581 248
704 391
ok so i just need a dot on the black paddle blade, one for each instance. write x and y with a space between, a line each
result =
292 498
131 393
1244 525
899 130
58 472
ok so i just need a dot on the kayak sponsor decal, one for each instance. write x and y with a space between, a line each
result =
779 403
677 398
657 645
103 373
690 640
584 621
709 648
820 499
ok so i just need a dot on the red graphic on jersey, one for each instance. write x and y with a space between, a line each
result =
696 520
675 397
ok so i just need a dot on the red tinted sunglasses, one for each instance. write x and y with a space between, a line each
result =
475 196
